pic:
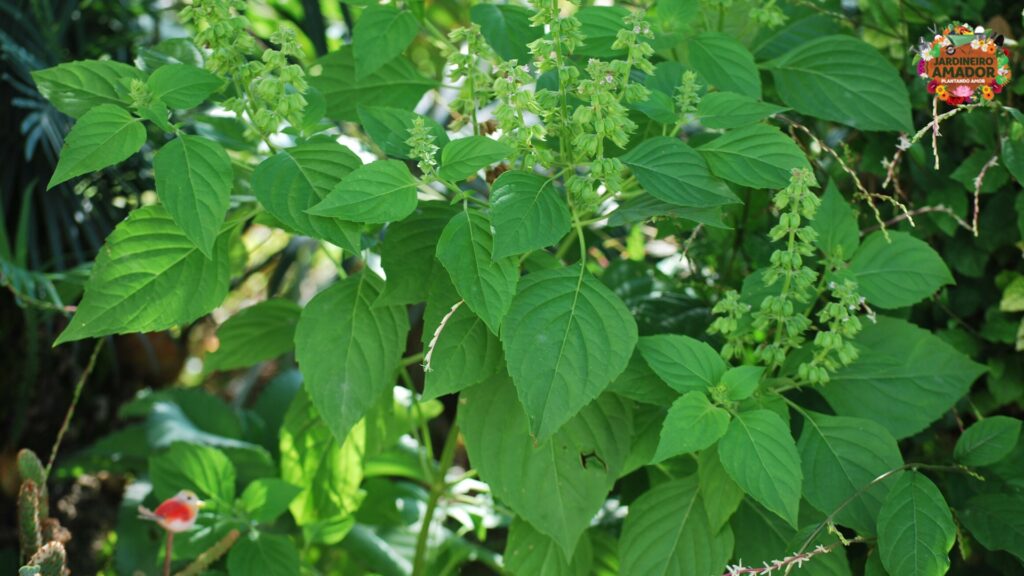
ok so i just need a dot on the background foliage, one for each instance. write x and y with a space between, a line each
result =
671 287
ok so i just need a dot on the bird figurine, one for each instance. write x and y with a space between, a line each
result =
176 514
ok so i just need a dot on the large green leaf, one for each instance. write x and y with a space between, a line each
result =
461 158
731 110
183 86
389 128
102 137
682 362
758 156
600 26
987 441
758 452
507 28
137 281
566 337
722 496
379 192
529 552
407 253
725 63
263 554
464 353
293 180
997 521
381 35
75 88
639 383
193 180
843 79
396 84
486 284
203 469
327 471
258 333
667 532
840 457
265 499
904 379
915 528
527 213
349 350
693 423
675 173
836 224
899 271
558 484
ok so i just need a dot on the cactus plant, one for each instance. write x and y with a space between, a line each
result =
41 538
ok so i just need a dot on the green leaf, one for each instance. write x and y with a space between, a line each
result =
899 272
382 33
640 384
507 28
760 455
836 224
349 350
997 521
758 156
987 441
760 535
529 552
527 213
840 457
182 86
722 496
667 532
136 282
683 363
379 192
265 499
461 158
515 465
465 352
293 180
202 469
905 377
1013 296
731 110
742 381
693 423
102 137
327 471
487 285
407 253
396 84
915 528
75 88
600 25
256 334
1013 158
843 79
263 554
673 172
389 129
194 179
566 337
725 63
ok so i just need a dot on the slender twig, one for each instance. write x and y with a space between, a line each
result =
167 553
978 181
437 334
71 409
211 555
922 210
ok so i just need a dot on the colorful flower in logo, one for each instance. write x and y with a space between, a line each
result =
987 93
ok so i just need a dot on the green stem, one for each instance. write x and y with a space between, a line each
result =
414 359
71 409
437 490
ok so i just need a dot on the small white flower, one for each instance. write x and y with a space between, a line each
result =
926 56
975 44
